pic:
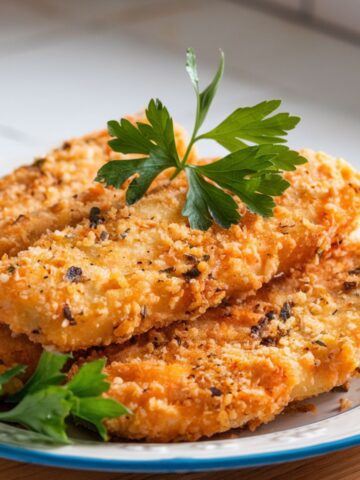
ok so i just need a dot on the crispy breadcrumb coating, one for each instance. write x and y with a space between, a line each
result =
241 365
143 266
64 172
57 190
50 194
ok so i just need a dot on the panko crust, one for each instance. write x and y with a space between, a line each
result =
63 172
142 266
58 190
241 365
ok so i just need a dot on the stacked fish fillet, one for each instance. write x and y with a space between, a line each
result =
203 331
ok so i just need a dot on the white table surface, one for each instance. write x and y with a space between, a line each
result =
66 67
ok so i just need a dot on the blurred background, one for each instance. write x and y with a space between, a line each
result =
68 66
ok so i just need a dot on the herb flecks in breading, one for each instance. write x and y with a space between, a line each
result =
73 274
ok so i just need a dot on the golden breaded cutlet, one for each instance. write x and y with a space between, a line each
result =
58 190
53 192
140 267
241 365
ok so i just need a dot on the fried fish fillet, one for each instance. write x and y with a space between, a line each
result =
57 190
131 269
241 365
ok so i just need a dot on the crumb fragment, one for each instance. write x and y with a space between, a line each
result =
344 404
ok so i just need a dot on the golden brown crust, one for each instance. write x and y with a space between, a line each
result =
64 172
143 266
50 194
58 190
238 365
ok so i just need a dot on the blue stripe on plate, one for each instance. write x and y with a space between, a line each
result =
172 465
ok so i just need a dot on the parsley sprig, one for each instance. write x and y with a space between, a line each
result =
45 402
252 171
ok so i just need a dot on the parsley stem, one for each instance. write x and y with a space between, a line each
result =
188 150
185 158
186 155
176 173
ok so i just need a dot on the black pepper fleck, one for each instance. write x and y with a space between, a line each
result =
104 235
256 330
73 274
194 272
285 312
215 392
68 314
95 217
270 315
124 234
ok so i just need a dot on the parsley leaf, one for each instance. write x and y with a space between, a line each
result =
160 130
143 138
251 172
87 405
21 437
80 385
48 372
9 374
157 141
43 411
128 139
46 401
254 125
116 172
205 98
282 157
205 203
93 410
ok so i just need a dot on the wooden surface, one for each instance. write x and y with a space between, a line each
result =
343 465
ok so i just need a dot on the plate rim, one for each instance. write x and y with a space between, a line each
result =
176 464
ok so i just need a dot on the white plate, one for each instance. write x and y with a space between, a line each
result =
291 436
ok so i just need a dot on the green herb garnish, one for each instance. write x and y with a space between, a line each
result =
252 171
9 374
45 402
